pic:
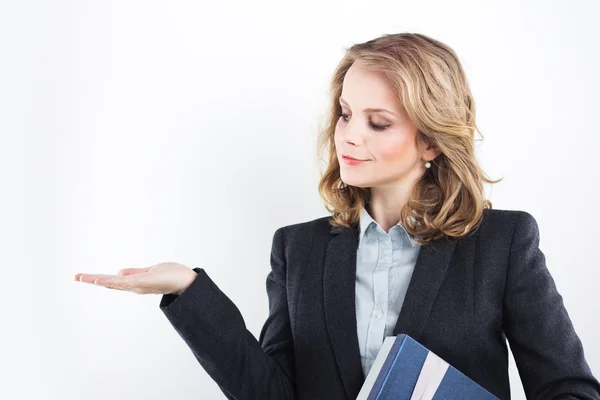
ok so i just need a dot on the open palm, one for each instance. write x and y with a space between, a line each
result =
163 278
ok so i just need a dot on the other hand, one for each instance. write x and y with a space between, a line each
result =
163 278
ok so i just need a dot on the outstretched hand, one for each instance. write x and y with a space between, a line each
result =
163 278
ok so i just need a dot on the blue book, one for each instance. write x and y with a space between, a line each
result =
404 369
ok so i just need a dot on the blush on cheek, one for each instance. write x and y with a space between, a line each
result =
396 151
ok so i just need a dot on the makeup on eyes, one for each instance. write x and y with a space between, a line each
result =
373 125
372 110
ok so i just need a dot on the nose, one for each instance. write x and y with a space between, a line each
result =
352 133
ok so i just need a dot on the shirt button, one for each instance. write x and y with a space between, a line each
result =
378 314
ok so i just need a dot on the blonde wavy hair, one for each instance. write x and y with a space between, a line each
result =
448 200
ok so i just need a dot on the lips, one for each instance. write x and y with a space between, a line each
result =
352 158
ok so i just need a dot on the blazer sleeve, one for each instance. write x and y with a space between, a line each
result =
214 329
548 353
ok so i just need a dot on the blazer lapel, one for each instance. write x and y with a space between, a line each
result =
430 270
339 277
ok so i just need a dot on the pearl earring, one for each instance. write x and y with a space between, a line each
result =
427 164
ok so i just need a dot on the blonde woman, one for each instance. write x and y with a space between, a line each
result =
411 246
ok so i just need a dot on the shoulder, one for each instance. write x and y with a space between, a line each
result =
297 238
497 215
510 219
305 228
511 229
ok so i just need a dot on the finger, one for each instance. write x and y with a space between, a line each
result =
116 282
108 286
138 283
132 271
90 278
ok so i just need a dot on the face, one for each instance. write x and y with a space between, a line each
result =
386 140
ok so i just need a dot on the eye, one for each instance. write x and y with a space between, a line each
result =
373 126
378 127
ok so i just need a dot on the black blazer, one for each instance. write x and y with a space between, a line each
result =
465 298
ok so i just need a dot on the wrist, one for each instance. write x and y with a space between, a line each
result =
191 276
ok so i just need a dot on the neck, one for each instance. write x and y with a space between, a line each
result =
386 202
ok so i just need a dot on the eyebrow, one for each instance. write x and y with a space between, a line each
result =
370 109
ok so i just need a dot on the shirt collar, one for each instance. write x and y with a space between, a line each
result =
366 220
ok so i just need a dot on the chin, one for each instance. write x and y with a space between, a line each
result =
357 182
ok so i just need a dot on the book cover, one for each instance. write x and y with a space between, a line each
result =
405 369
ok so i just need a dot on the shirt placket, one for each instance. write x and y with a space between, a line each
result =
380 293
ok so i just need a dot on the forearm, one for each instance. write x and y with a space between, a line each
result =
214 329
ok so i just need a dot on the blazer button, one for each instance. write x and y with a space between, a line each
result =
378 314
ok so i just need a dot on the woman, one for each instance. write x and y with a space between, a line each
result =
411 247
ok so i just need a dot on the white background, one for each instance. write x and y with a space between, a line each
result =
139 132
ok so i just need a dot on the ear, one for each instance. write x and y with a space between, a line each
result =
429 150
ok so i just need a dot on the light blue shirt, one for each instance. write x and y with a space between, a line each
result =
384 266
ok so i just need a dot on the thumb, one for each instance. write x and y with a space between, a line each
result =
133 271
